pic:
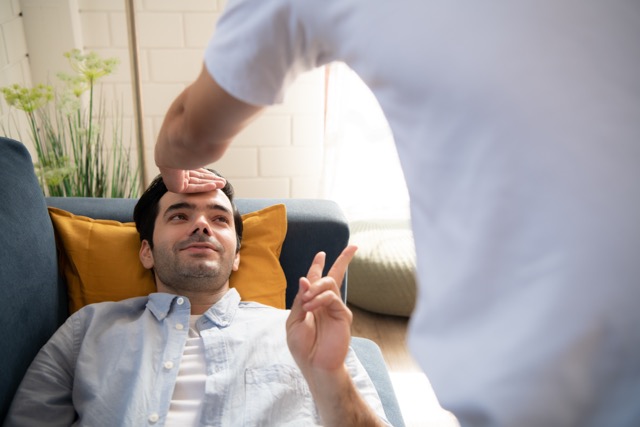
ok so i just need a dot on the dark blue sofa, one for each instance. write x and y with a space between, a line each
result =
34 294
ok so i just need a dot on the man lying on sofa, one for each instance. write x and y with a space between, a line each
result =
180 356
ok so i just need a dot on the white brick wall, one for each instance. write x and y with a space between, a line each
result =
13 47
279 155
14 66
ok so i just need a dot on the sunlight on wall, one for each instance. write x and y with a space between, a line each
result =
362 171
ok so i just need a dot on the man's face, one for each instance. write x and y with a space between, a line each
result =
194 243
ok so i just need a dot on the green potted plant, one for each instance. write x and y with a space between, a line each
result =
67 130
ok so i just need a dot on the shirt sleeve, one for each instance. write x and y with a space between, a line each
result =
44 397
364 385
259 48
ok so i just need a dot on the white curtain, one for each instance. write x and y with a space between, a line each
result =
361 170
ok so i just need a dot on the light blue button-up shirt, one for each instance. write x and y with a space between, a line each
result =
116 364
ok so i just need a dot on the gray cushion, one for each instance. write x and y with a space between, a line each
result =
382 274
370 355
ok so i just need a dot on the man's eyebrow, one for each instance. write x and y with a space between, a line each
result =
179 206
191 206
219 207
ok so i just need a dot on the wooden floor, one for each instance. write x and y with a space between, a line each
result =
417 401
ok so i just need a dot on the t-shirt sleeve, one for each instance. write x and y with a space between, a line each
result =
259 48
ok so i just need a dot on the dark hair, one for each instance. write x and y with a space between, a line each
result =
146 210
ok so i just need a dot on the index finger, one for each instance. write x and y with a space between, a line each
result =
317 265
339 267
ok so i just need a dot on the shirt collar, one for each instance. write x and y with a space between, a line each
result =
221 313
159 304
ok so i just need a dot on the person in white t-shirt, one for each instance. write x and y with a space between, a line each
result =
517 125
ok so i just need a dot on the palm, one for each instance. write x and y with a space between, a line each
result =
321 338
319 326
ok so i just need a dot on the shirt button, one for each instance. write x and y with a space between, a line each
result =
180 301
153 418
179 326
168 364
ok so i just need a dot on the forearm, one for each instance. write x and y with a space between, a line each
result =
338 400
180 145
318 336
200 125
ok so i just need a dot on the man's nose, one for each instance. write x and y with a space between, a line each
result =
201 225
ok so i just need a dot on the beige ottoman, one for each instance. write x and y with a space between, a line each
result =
382 274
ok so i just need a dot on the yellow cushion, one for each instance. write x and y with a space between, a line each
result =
100 262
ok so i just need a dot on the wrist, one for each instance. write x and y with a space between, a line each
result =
338 400
327 381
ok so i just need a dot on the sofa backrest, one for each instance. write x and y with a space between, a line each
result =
34 302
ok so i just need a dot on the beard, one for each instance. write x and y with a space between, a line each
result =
193 273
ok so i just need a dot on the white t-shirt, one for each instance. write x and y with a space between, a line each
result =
189 390
518 128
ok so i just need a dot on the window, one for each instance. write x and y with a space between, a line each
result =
362 171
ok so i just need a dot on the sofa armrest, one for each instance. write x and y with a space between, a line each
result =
371 358
34 300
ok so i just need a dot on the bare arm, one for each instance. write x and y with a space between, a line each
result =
318 335
198 128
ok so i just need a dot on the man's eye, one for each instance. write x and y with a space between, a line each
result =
221 219
178 217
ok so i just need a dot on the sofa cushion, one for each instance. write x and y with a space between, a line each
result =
382 273
99 258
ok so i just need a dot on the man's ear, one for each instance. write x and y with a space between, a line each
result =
146 256
236 261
